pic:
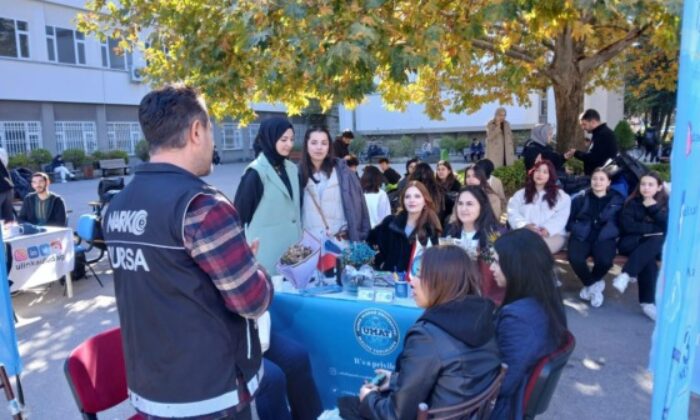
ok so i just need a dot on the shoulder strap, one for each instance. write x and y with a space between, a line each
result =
318 207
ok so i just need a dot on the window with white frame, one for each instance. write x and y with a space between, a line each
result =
124 135
76 135
232 136
111 56
65 45
14 38
543 108
18 137
253 133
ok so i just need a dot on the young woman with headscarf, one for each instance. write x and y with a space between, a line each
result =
538 146
268 197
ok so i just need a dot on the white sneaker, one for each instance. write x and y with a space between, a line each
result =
621 281
649 310
596 291
585 293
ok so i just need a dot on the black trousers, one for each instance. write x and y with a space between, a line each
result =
7 212
603 253
641 263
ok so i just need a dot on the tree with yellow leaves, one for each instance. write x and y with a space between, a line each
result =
445 54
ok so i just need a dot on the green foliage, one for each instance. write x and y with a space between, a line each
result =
447 143
358 145
512 177
75 156
142 150
574 166
40 157
19 161
625 135
664 169
461 143
406 147
99 155
117 154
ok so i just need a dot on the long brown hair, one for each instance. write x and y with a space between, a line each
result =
447 274
661 197
551 190
306 167
428 217
447 183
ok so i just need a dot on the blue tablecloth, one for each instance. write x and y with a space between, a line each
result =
347 339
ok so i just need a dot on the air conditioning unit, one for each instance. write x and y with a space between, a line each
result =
135 74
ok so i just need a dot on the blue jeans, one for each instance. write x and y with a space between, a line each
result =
287 378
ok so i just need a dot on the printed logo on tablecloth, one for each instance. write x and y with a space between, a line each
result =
38 251
377 332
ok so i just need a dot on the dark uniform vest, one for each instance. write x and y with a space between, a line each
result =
183 347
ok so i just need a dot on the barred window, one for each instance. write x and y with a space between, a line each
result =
233 136
124 135
18 137
253 133
76 135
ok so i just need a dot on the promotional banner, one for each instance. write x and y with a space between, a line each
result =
41 258
675 341
9 353
346 339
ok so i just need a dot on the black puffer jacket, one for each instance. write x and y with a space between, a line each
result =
450 355
636 221
581 223
394 246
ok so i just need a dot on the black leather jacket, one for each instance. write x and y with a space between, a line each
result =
450 355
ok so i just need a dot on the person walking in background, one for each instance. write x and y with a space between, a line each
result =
191 267
410 168
594 232
643 222
532 321
333 204
499 140
377 201
42 207
268 198
7 193
541 206
603 143
215 159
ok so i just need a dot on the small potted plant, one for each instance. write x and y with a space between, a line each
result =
357 271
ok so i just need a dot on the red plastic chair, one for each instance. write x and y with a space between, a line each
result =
96 373
544 378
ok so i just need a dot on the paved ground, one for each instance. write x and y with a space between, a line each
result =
606 377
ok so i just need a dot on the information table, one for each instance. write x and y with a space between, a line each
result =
346 338
42 258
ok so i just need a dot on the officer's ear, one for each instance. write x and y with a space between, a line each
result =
197 132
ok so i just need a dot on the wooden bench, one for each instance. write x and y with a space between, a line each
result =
113 167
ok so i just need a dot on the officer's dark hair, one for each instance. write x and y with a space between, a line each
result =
348 134
165 115
590 115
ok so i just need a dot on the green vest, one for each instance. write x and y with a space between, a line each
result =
277 219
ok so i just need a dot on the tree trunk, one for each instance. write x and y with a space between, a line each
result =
568 98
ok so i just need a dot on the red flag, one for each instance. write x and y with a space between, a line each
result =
326 262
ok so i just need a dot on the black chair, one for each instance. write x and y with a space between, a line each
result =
545 377
478 408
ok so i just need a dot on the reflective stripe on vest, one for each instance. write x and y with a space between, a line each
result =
196 408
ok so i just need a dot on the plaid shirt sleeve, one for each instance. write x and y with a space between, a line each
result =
214 238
